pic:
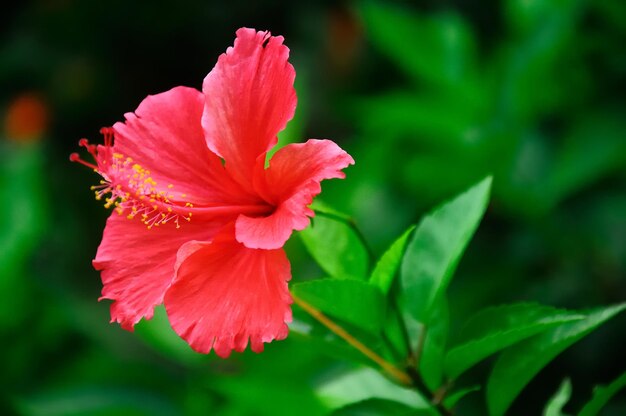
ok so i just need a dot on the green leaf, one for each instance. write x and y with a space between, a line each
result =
529 17
319 338
336 247
433 353
266 394
385 271
496 328
536 56
437 246
439 49
436 121
455 397
519 364
560 398
602 395
593 148
419 171
320 207
364 384
414 330
96 401
381 407
394 332
353 301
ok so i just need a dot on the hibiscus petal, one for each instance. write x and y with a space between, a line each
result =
165 137
137 264
290 183
249 99
225 295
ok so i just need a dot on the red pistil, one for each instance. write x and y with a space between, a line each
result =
75 157
107 132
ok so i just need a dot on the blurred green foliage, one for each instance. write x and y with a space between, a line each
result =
428 97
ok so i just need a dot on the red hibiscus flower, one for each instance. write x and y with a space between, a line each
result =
199 221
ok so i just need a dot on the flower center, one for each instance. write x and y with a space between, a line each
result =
130 188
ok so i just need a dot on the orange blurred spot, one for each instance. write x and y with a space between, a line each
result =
345 36
26 118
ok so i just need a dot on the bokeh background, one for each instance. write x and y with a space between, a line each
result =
427 96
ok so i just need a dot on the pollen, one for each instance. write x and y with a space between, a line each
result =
130 188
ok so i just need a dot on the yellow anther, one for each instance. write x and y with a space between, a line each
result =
132 192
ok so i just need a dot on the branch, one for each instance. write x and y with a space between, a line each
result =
389 368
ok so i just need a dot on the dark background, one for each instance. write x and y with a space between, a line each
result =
427 99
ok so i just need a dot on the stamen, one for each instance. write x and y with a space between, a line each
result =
130 188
